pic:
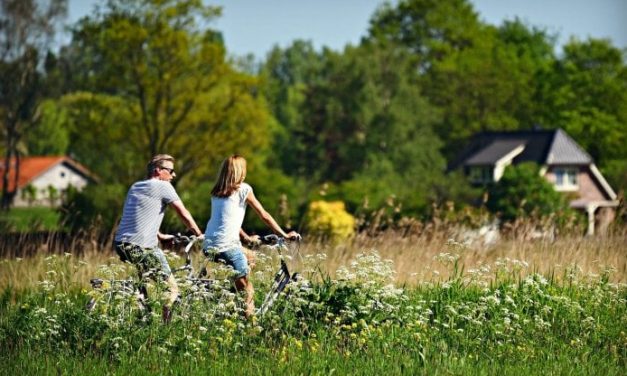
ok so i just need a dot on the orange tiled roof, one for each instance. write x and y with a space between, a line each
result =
31 167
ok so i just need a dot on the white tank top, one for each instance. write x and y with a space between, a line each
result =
227 215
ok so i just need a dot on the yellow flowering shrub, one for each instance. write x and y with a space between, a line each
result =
330 220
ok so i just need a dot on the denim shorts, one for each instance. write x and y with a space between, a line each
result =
144 259
234 258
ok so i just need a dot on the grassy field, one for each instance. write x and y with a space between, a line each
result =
30 219
377 305
415 259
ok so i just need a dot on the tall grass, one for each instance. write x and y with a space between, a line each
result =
416 258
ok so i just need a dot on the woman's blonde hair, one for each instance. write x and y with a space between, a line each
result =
232 174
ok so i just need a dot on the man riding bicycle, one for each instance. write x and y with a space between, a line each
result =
137 237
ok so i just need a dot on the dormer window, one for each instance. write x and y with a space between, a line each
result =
480 174
566 178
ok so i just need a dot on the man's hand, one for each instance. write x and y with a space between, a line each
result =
293 235
167 240
249 240
165 237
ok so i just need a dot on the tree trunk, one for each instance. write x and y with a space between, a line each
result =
7 193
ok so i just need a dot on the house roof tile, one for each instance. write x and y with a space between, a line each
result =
549 147
494 152
564 150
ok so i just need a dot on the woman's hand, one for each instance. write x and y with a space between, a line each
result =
253 240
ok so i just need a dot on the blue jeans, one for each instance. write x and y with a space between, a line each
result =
234 258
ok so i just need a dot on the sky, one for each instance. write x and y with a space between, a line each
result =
255 26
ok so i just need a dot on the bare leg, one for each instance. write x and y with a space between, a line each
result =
174 289
174 293
250 257
244 284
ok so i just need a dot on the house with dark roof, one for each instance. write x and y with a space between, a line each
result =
562 161
42 181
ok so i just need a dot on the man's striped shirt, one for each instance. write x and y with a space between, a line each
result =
144 207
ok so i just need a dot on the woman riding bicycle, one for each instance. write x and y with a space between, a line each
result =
229 198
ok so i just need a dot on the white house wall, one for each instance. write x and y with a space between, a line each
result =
60 177
506 160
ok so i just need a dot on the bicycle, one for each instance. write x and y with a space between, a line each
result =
121 297
196 288
281 279
201 285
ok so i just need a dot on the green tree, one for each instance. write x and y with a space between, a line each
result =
53 195
430 29
287 75
399 154
29 193
156 81
590 102
494 85
51 135
26 31
362 125
481 77
96 204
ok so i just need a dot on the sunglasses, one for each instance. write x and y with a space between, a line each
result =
169 170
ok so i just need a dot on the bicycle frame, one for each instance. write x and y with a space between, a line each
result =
118 286
197 279
281 279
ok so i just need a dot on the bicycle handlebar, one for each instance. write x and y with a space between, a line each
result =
273 238
190 240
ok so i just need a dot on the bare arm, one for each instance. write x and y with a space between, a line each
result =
267 218
164 237
186 217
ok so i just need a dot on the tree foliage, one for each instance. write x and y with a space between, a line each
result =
50 136
590 102
155 81
26 31
355 119
369 125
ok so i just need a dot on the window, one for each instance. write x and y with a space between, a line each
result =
566 178
480 174
62 174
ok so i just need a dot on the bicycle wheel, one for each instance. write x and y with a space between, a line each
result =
118 299
205 298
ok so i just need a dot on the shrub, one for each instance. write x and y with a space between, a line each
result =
329 220
100 204
523 193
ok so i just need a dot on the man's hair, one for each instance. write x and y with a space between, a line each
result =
232 174
157 161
